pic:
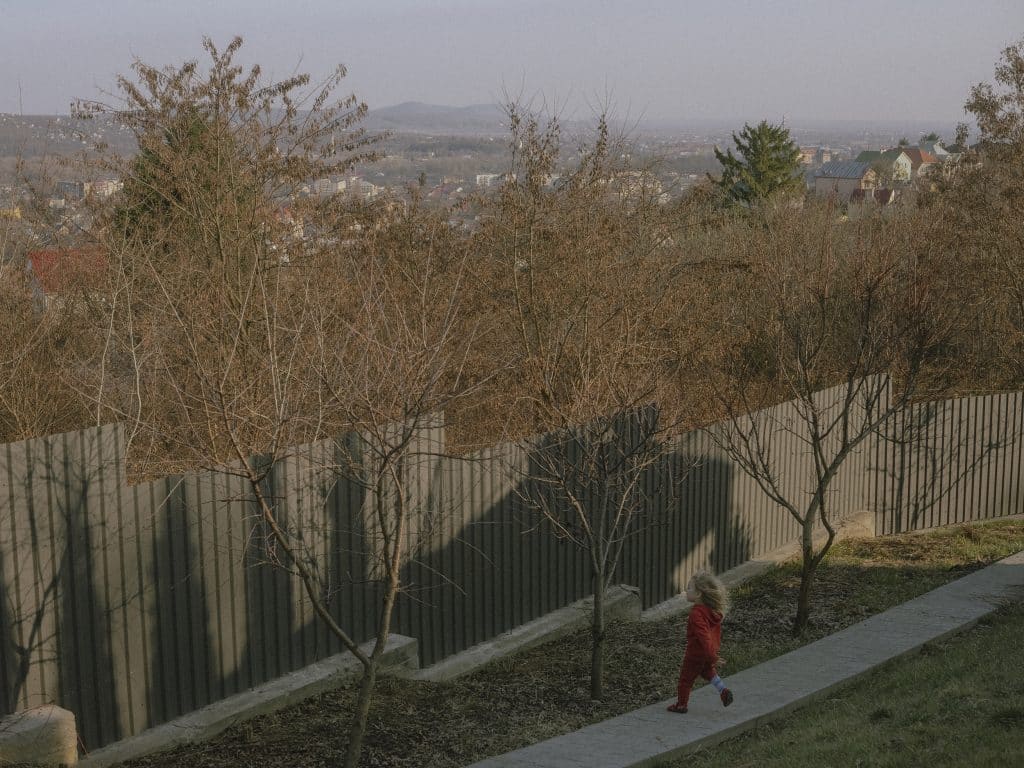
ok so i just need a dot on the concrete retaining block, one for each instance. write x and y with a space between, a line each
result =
621 602
400 655
40 736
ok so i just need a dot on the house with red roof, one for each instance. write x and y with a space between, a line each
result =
60 271
920 160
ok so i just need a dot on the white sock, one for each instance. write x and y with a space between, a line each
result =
717 682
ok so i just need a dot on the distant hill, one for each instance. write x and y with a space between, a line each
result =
417 117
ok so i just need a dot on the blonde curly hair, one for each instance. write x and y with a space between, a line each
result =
712 591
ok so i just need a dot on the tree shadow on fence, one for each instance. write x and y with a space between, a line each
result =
26 632
950 462
495 563
160 598
182 676
698 527
232 613
57 623
86 661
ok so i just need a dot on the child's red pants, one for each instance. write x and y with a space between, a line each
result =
692 667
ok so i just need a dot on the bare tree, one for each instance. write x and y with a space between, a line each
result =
379 365
596 485
982 205
579 261
398 369
841 319
232 337
39 355
210 200
42 333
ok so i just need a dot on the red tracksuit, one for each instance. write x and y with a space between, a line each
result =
703 638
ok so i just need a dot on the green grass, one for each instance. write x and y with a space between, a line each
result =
958 703
544 692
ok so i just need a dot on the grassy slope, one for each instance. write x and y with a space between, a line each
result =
959 703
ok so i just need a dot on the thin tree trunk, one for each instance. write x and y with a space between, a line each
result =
369 680
807 568
597 637
803 603
359 718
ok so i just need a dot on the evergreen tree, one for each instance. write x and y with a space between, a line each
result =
177 175
768 162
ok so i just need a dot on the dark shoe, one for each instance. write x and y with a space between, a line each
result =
677 708
726 697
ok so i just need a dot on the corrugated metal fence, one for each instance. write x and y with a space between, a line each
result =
950 462
133 604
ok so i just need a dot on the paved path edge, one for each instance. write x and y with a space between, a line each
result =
937 615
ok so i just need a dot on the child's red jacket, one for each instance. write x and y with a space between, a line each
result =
703 633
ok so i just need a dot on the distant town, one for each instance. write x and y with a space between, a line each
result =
445 156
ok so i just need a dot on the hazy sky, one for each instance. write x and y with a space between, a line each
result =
659 59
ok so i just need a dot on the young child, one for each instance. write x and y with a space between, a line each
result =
703 638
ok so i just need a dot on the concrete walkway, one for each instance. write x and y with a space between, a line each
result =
652 736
